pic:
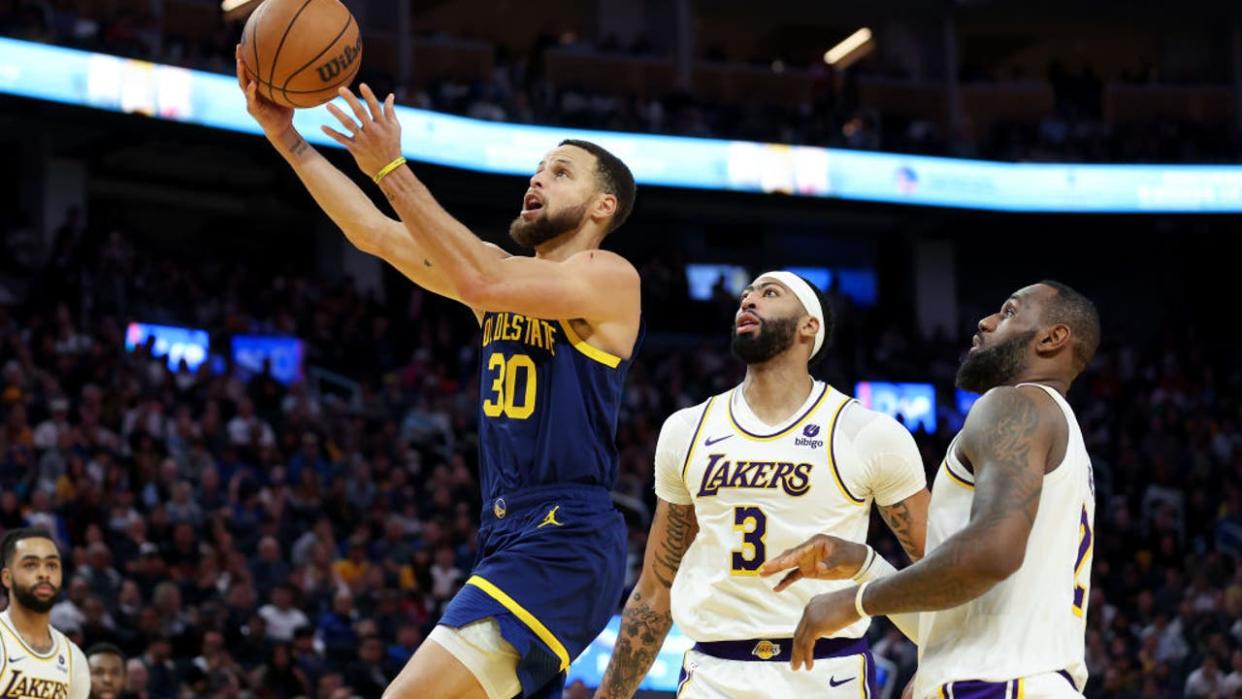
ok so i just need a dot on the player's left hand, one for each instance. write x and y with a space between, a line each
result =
824 615
374 134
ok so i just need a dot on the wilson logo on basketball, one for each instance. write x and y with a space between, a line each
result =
338 64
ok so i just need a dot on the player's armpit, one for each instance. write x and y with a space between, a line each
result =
595 285
908 521
646 618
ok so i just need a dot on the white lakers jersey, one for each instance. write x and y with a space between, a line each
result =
758 490
1035 621
61 673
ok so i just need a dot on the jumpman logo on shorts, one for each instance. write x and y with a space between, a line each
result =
550 518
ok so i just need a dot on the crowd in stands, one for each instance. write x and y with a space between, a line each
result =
236 536
834 115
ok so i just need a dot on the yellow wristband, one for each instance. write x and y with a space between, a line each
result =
387 169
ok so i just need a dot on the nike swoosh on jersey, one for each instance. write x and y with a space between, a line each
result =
20 657
832 681
709 441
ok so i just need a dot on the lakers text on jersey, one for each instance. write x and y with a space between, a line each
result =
60 673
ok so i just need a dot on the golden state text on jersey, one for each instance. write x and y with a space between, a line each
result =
548 405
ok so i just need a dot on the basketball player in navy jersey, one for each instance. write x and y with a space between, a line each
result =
559 330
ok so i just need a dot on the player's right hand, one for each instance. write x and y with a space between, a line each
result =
273 118
822 557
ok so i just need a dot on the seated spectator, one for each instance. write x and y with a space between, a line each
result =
281 616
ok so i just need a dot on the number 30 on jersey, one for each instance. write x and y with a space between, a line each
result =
513 388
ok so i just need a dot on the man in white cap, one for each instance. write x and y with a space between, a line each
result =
746 475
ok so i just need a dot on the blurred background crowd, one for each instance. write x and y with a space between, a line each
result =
234 533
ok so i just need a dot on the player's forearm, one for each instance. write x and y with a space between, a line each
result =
908 522
449 245
961 569
644 625
342 200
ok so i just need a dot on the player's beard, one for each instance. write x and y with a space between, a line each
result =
545 227
774 336
986 369
28 599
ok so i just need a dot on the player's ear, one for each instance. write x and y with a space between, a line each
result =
605 206
1053 339
810 326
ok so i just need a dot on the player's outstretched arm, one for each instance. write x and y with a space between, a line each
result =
1007 439
366 227
594 285
646 619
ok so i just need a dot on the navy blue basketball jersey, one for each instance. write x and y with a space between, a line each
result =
548 405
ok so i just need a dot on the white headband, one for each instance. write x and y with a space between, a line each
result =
806 294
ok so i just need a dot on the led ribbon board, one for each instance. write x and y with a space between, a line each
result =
116 84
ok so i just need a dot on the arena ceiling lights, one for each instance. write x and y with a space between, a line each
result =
851 49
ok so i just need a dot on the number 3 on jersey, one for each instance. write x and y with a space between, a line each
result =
504 389
753 524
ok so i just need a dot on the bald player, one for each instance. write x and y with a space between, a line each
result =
999 605
750 472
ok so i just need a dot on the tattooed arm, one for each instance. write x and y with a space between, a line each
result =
646 619
908 521
1009 439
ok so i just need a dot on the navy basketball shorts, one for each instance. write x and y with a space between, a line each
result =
550 571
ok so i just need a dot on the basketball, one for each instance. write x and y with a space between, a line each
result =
300 51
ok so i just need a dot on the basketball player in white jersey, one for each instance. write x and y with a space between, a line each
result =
998 607
36 660
750 472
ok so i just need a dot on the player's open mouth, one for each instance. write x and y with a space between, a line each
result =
531 205
746 321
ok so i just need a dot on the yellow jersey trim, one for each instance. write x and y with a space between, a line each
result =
527 618
832 457
681 686
42 657
694 440
862 676
1021 690
957 479
767 438
609 360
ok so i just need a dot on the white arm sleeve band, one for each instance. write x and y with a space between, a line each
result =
875 568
